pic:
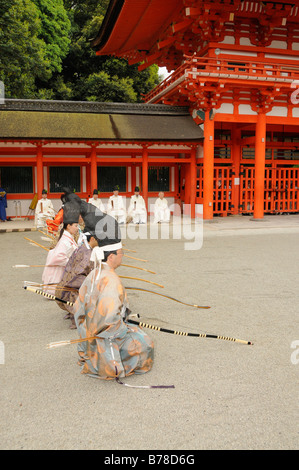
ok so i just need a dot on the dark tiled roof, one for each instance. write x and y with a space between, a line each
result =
33 119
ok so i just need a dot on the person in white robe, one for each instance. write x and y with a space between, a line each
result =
96 201
161 209
137 208
44 210
116 207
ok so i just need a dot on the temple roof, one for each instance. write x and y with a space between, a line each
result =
134 24
64 120
165 31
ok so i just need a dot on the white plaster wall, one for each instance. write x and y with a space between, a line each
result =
226 108
17 207
280 111
20 207
246 109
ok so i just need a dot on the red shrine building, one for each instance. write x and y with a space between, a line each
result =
221 130
87 146
235 65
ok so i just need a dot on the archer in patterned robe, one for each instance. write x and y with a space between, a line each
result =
120 349
75 273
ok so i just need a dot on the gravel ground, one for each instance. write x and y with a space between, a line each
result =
226 395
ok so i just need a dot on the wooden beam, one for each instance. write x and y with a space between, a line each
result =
176 27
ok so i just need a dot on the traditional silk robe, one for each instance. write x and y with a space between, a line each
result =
75 273
53 225
97 203
161 211
3 204
44 210
137 209
57 259
119 348
116 208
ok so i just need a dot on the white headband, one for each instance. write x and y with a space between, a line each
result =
98 251
112 247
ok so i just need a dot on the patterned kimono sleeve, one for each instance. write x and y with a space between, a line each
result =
98 314
77 264
79 311
107 320
116 348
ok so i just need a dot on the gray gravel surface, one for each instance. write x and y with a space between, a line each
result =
226 395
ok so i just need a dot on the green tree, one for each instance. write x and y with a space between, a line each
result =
102 87
34 39
85 75
55 31
46 53
22 52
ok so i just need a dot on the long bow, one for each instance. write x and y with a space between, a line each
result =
139 289
141 324
167 297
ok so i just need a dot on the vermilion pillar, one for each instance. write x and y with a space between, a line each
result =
208 167
93 170
236 157
39 171
133 176
88 177
193 181
260 156
187 198
145 175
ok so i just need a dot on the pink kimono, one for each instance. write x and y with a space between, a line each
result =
57 260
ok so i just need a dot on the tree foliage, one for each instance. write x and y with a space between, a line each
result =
34 38
46 53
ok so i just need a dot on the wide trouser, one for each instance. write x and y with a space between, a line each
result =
119 216
161 215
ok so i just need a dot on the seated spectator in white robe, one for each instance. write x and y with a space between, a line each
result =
137 209
96 201
161 209
116 207
44 210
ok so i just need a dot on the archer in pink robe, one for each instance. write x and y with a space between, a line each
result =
57 260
